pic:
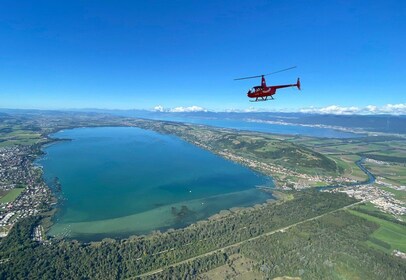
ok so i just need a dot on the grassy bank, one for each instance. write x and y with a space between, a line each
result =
388 237
11 195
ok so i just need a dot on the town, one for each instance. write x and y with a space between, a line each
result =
19 174
381 199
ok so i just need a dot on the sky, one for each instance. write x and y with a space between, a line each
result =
186 54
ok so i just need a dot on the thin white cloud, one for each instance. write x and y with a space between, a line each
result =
371 108
392 109
395 109
246 110
187 109
160 108
333 109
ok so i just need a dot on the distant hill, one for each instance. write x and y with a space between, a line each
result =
373 123
377 123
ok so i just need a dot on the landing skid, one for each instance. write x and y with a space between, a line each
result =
262 99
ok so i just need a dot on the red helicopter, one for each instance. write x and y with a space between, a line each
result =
263 91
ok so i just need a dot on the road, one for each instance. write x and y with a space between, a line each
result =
150 273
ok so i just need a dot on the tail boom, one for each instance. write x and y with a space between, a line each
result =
291 85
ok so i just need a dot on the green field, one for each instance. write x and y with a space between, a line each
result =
373 211
394 173
391 152
345 152
398 194
388 237
15 136
351 148
397 144
389 155
351 170
11 195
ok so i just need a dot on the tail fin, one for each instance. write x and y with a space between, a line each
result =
298 83
263 82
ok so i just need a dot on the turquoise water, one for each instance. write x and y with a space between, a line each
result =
119 181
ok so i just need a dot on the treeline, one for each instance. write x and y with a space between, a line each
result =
380 215
385 158
189 270
332 247
116 259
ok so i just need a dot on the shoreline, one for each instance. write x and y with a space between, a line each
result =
357 131
118 228
49 216
279 195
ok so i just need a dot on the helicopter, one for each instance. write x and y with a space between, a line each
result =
262 92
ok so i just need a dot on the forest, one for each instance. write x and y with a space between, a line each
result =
22 258
332 247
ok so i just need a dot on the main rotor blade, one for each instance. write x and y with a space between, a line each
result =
280 71
248 77
258 76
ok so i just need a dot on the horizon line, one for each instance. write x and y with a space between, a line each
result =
237 111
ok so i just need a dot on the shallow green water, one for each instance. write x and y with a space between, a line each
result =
119 181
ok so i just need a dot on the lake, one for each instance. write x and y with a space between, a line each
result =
256 125
118 181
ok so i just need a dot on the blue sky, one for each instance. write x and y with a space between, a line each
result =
138 54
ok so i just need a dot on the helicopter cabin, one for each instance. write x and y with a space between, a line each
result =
255 89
